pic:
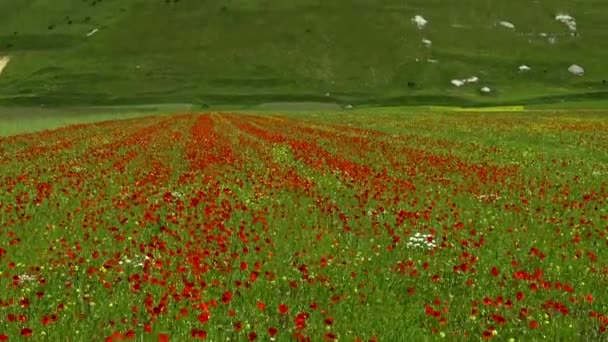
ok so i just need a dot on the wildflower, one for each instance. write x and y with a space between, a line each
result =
27 332
283 309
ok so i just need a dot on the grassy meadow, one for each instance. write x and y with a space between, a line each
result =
236 52
303 170
441 225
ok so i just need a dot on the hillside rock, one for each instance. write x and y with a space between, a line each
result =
576 70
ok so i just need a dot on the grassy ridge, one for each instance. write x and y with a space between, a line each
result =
217 52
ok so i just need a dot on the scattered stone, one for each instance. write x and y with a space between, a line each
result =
92 32
568 20
457 83
427 43
524 68
486 90
327 94
576 70
4 62
419 21
460 83
506 24
348 106
433 61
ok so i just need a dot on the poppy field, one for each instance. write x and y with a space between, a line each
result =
334 227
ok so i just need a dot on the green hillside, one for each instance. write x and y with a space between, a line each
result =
246 51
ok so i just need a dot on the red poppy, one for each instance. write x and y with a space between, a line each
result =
226 297
27 332
238 326
261 305
300 321
283 309
329 336
198 334
533 324
163 337
499 319
204 317
272 331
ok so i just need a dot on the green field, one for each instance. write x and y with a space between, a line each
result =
303 170
236 52
377 225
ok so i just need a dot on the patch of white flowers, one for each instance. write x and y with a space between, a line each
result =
138 261
177 194
26 278
418 240
488 198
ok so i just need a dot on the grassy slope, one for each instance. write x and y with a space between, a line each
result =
242 51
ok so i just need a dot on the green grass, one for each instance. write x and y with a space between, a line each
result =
233 214
18 120
236 52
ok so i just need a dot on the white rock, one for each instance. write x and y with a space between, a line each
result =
419 21
552 40
472 79
4 62
327 94
576 70
524 68
348 106
568 20
433 61
506 24
486 90
457 83
427 43
92 32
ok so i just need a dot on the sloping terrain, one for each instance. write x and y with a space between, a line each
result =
355 51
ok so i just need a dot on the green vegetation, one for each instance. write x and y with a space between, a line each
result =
251 52
32 119
417 226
